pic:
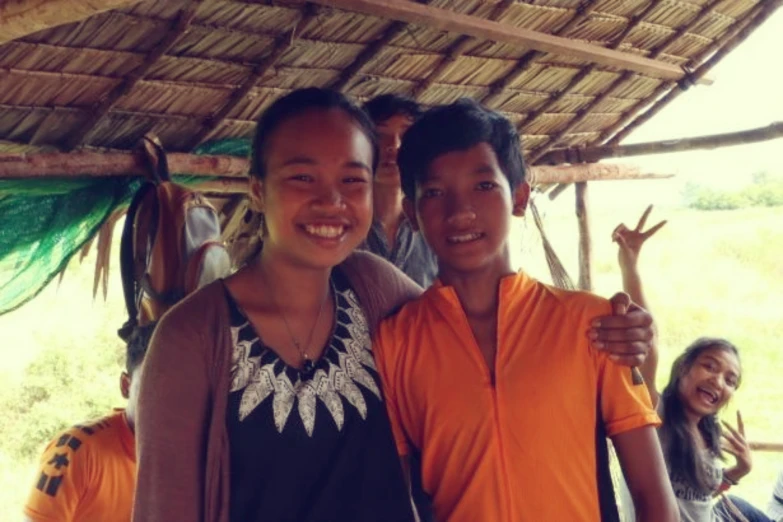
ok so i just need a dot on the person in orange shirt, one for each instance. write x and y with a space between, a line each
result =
489 375
88 472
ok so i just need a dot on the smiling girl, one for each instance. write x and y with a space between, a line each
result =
260 398
703 380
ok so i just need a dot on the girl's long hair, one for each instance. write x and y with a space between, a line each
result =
678 445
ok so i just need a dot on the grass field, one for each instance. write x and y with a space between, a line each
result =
706 273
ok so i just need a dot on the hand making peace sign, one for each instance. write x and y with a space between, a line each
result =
631 241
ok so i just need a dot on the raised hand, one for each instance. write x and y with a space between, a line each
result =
630 241
734 442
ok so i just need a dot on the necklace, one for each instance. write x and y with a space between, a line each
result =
307 362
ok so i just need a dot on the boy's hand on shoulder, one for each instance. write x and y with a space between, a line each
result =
626 335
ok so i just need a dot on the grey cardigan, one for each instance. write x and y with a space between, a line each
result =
181 435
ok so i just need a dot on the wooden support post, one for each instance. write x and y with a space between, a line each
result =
585 282
446 20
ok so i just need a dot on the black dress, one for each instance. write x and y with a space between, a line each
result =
316 446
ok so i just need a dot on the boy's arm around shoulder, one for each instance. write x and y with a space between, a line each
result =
381 287
172 421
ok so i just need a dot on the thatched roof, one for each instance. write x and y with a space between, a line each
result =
191 71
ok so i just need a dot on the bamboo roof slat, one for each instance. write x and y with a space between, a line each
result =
368 54
513 76
282 43
213 79
178 28
450 58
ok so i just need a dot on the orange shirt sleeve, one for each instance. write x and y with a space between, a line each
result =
60 480
625 401
386 347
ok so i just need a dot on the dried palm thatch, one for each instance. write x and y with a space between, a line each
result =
191 71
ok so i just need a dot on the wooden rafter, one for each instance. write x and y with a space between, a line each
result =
582 13
445 20
179 27
592 154
19 18
584 73
455 50
757 16
282 43
368 54
704 12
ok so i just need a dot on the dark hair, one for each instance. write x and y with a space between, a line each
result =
386 106
677 442
295 103
137 346
458 126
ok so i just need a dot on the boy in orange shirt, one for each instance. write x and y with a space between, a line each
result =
88 472
489 375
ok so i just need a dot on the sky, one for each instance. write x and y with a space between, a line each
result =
747 92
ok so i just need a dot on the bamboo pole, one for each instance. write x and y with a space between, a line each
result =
585 282
593 154
767 446
109 164
541 174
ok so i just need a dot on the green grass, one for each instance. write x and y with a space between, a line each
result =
706 273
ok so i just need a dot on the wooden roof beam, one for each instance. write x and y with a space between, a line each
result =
624 77
113 164
445 20
179 27
578 155
455 50
282 43
19 18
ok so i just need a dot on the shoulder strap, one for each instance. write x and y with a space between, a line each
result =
130 288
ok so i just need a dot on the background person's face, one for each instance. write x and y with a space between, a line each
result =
390 132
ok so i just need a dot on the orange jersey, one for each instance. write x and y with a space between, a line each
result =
523 447
86 474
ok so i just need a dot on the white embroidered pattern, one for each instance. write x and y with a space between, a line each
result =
328 382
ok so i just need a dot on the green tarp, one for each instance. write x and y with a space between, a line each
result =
44 222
